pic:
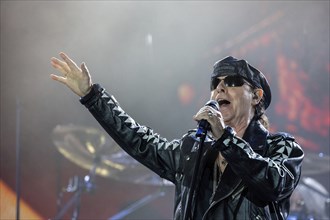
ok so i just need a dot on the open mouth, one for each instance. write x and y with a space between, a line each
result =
223 102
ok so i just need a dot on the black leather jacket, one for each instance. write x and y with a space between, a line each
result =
263 169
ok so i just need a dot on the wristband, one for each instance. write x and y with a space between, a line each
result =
96 89
229 131
226 137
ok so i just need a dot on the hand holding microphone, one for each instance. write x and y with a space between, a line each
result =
209 118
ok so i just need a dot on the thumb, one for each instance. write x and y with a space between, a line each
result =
84 68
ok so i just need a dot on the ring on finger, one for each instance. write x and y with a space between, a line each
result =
210 114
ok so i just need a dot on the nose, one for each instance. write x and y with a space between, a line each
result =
221 87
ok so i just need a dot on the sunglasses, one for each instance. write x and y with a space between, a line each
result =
229 81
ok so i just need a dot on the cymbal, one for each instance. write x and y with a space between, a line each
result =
94 150
315 164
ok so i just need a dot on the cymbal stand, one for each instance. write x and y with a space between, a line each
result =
138 204
78 186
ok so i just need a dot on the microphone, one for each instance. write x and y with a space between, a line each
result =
203 125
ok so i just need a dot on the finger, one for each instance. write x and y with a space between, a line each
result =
72 65
59 68
210 109
202 110
201 115
58 78
216 113
59 63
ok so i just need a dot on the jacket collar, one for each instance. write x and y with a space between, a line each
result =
256 135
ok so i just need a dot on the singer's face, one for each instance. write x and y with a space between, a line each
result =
235 102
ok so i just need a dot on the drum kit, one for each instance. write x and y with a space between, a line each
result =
94 150
311 200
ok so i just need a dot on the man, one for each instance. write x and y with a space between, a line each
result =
238 169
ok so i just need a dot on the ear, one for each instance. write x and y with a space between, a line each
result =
257 96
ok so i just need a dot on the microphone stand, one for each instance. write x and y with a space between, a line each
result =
193 187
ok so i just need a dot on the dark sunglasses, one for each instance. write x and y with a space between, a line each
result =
229 81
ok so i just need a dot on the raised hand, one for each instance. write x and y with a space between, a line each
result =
77 79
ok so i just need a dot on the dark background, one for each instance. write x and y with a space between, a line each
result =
156 58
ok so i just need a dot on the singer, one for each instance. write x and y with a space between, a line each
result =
244 171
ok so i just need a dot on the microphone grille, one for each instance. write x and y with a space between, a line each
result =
214 104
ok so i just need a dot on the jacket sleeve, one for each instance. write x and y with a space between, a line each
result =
141 142
273 175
